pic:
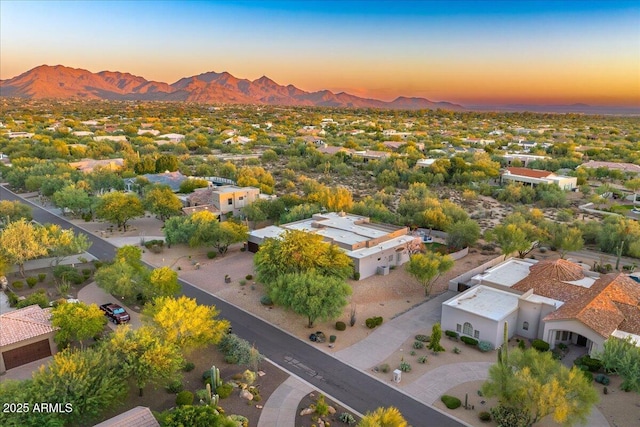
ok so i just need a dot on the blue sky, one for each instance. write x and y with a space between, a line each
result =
460 51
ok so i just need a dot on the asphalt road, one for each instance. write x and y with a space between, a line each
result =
354 388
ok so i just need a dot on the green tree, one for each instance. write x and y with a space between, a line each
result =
119 208
163 281
434 343
185 323
219 235
566 239
426 268
311 294
510 238
21 241
462 234
297 251
167 162
196 416
161 200
77 322
383 417
539 386
145 356
126 276
191 184
73 199
622 357
179 229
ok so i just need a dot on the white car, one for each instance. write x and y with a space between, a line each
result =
635 210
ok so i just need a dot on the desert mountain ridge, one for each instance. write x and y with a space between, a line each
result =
61 82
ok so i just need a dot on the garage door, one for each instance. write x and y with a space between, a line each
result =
26 354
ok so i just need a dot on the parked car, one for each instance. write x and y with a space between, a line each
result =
115 313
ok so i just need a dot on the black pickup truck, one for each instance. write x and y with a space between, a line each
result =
115 313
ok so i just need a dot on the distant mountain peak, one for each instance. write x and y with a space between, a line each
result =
63 82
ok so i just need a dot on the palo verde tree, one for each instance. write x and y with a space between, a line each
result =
436 334
64 242
21 241
310 294
383 417
160 200
77 322
427 267
296 251
119 208
622 357
535 385
126 276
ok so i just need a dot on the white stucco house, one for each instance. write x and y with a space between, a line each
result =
374 248
536 176
557 301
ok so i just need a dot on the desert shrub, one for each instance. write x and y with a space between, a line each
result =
13 298
347 418
238 351
266 300
188 367
602 379
422 359
593 365
412 352
341 326
452 334
456 350
469 340
41 277
87 272
484 416
405 366
485 346
242 282
332 338
151 243
510 416
17 285
423 338
450 402
562 346
384 368
174 387
212 254
418 345
68 273
184 397
31 281
522 345
322 408
605 390
540 345
356 276
249 277
97 264
224 390
588 375
39 298
372 322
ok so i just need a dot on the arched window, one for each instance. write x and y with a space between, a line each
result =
467 329
525 326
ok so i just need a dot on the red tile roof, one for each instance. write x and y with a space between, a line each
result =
24 324
531 173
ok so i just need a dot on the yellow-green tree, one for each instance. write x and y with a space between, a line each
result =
163 281
383 417
185 323
144 355
119 208
64 242
77 322
21 241
161 200
426 268
537 386
297 251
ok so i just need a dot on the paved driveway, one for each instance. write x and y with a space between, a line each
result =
93 294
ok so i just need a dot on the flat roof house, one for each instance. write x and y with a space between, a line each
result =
557 301
374 248
223 200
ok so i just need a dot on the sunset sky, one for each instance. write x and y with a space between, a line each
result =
468 52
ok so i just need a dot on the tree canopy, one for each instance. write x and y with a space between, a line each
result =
119 208
77 322
427 267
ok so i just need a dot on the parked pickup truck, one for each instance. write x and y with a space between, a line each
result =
115 313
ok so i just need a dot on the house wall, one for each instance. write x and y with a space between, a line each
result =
566 183
524 179
528 312
464 278
368 266
221 200
489 330
550 328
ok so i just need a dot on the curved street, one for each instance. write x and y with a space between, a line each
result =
345 383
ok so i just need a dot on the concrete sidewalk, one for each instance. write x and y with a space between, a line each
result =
280 409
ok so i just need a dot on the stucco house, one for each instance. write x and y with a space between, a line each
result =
374 248
557 301
223 200
26 335
89 165
536 176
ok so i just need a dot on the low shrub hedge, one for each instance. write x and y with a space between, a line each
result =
31 281
17 285
341 326
266 300
224 390
593 365
602 379
485 346
484 416
423 338
450 402
372 322
469 340
212 254
41 277
175 387
183 398
452 334
418 345
540 345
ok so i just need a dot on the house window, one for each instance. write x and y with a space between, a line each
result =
390 258
467 329
525 326
241 198
229 201
476 334
458 327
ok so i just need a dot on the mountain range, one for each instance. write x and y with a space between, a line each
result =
60 82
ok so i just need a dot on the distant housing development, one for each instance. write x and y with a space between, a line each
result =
624 167
374 248
557 301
